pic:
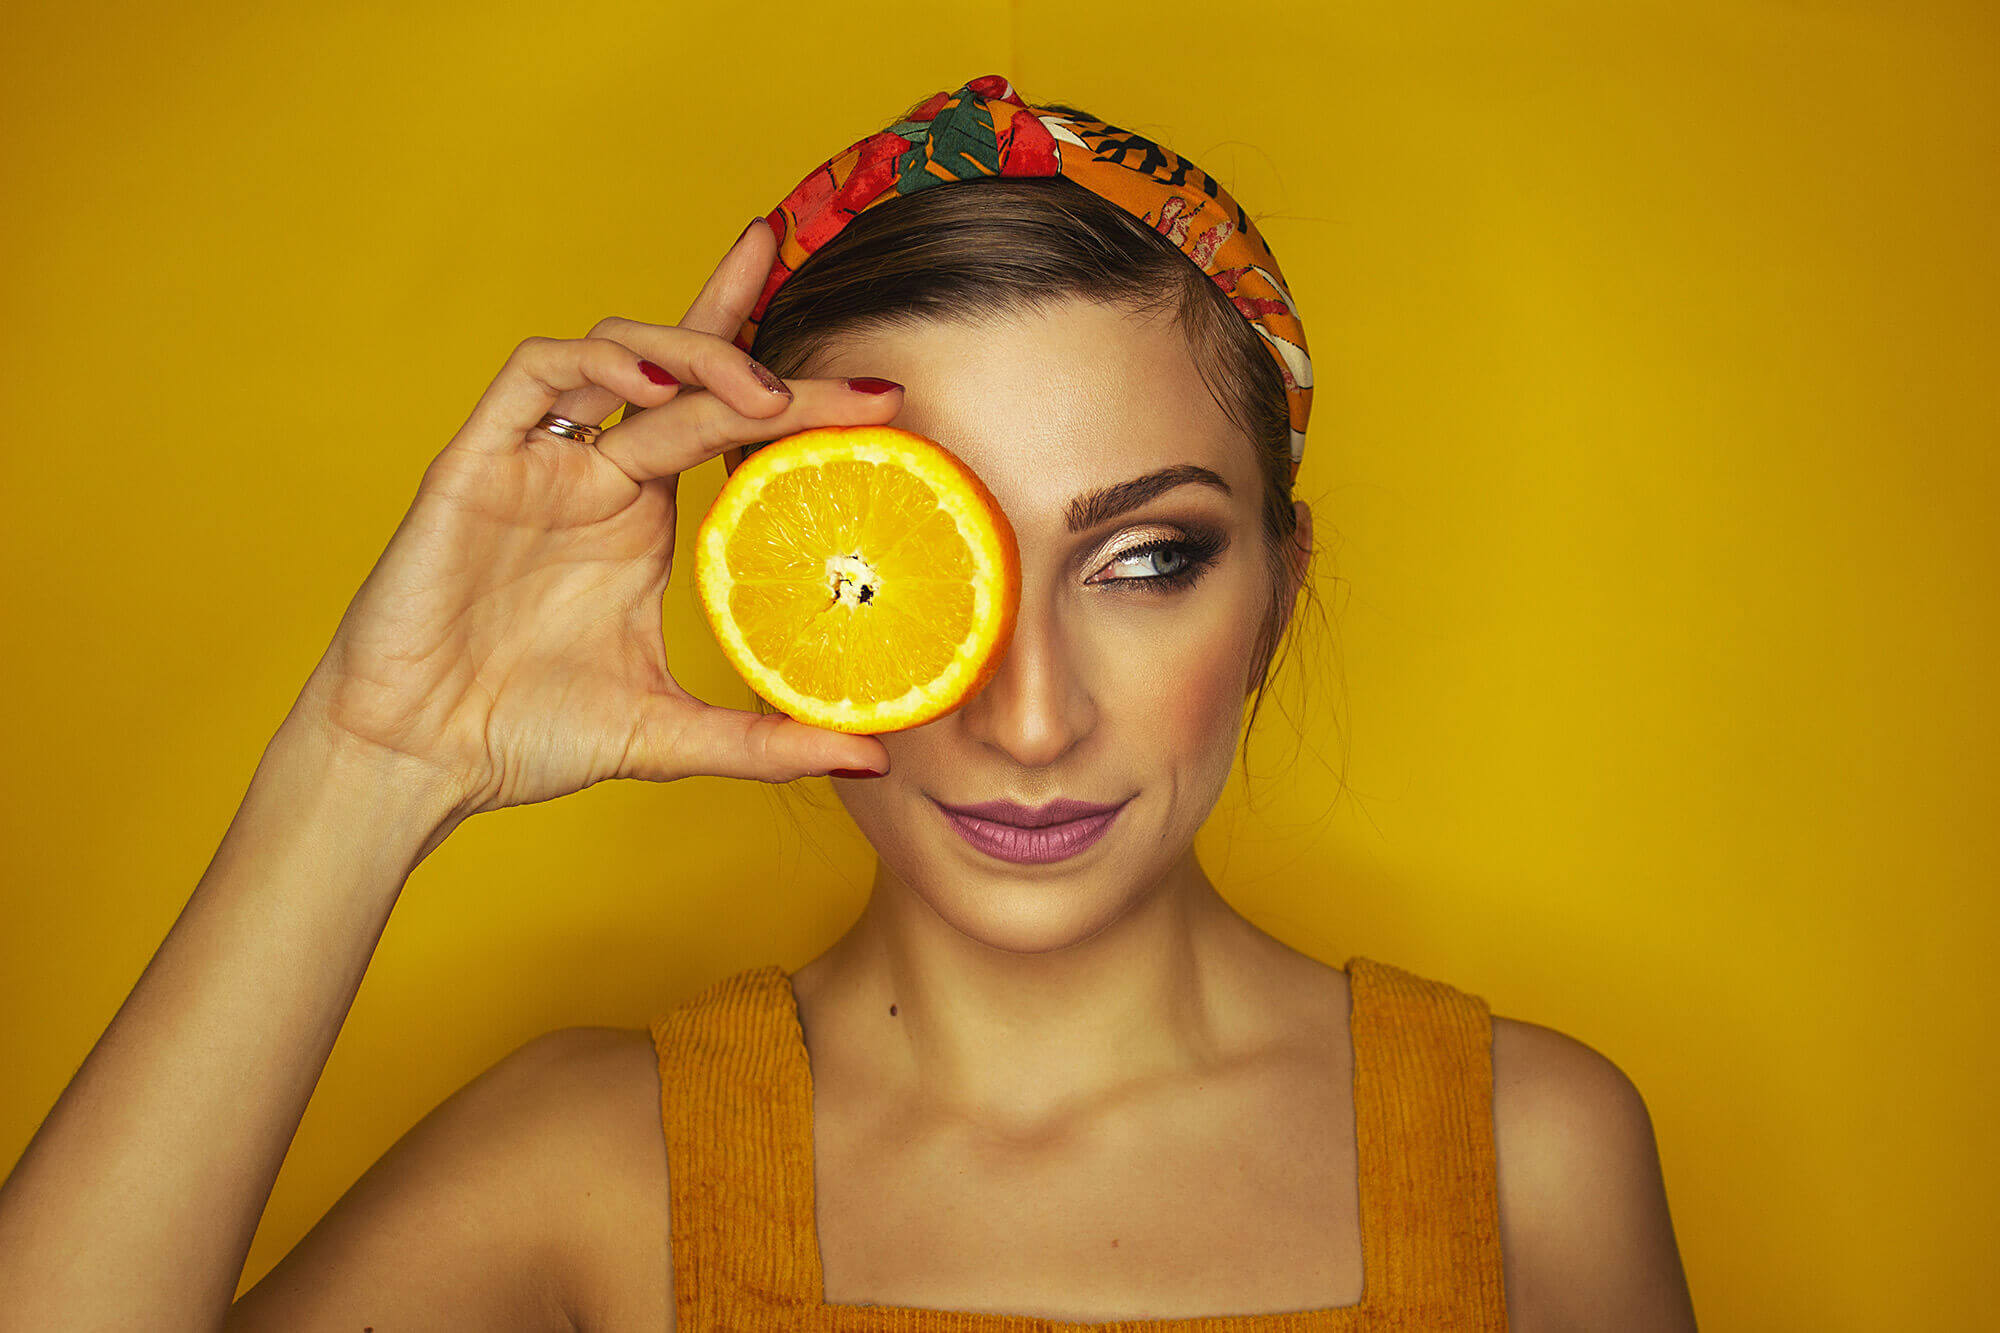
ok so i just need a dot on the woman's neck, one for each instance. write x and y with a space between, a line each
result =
1023 1042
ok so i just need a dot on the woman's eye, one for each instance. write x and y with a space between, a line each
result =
1162 565
1161 560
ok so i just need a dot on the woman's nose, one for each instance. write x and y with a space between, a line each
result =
1035 707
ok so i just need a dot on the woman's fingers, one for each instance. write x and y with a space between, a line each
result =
538 372
594 382
719 311
701 360
666 441
542 371
675 738
730 292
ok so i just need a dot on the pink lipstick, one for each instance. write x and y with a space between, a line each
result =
1031 834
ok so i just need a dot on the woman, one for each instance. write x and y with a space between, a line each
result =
1048 1076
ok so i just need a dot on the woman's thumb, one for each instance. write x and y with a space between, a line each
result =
680 737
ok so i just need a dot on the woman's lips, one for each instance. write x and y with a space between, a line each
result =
1049 842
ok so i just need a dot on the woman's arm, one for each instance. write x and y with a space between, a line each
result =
507 648
532 1199
135 1203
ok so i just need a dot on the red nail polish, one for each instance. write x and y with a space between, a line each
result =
853 773
654 373
869 384
768 380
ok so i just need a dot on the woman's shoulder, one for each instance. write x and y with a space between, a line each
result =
1581 1190
1538 1065
601 1117
1561 1108
1578 1175
1533 1064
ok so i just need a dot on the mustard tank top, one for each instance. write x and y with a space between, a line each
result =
736 1103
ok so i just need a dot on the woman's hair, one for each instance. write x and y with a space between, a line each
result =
1011 245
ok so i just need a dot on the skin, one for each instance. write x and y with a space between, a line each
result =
1122 964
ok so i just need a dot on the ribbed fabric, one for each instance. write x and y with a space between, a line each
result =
736 1102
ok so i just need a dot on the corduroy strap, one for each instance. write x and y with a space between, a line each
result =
1423 1112
736 1093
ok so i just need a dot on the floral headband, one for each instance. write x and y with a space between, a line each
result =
984 129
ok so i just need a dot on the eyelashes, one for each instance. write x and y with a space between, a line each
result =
1189 556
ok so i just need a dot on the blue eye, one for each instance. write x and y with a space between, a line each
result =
1177 562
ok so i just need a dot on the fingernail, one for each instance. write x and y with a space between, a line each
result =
852 773
746 231
655 373
768 380
869 384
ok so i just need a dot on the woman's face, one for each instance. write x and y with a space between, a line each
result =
1127 672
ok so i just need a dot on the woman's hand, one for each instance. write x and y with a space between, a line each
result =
508 642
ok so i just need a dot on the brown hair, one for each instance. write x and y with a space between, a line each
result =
1007 245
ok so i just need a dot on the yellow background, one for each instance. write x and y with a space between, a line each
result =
1653 456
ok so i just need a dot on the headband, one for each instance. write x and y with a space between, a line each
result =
985 129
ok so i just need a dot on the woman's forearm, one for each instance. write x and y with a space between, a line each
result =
135 1203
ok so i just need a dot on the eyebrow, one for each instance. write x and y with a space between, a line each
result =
1088 510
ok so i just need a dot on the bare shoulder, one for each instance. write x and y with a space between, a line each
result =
531 1198
1587 1240
601 1095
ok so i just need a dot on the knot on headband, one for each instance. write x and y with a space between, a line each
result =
984 129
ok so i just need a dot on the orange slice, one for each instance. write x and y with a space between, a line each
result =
861 578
